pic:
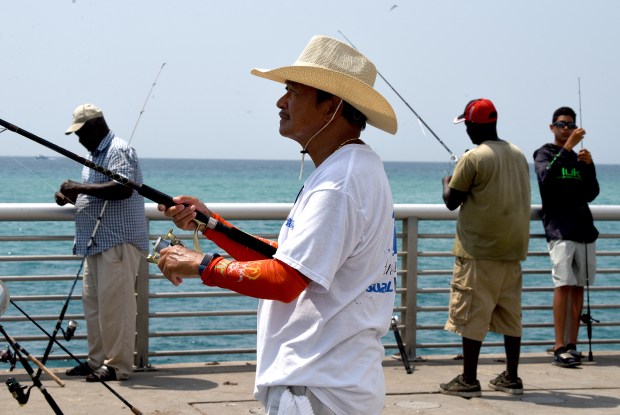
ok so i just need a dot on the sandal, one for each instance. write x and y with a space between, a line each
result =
562 358
572 349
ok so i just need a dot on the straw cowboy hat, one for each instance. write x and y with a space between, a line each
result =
339 69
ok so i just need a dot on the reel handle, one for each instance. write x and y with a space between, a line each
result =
162 242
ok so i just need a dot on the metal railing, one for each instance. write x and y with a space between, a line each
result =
195 320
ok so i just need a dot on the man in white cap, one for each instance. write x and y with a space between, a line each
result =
327 294
113 250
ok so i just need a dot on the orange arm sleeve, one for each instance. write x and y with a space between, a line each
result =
267 279
236 250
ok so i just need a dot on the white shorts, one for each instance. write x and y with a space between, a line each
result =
574 263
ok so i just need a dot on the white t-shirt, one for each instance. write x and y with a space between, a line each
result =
339 234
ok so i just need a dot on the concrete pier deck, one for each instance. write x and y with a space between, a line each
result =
226 388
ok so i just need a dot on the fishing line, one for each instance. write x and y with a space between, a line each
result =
31 171
453 157
28 169
580 119
148 96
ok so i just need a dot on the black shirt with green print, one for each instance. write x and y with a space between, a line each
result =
566 187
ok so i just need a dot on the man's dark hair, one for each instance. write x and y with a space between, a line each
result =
348 111
568 111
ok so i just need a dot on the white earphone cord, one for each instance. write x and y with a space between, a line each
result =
303 152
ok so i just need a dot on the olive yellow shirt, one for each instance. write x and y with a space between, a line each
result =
494 220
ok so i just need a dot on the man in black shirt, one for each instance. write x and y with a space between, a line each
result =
567 182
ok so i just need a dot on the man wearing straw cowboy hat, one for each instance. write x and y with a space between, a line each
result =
328 292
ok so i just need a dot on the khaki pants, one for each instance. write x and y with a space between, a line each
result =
108 297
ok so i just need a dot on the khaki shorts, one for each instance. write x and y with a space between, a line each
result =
574 263
485 296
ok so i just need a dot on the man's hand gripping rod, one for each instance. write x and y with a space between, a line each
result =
152 194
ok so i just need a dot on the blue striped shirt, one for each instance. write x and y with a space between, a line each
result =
124 220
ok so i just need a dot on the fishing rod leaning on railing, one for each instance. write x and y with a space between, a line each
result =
130 406
19 392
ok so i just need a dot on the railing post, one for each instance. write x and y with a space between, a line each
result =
410 282
141 359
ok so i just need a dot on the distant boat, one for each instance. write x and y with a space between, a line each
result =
41 157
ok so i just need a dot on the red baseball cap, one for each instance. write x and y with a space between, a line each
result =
479 111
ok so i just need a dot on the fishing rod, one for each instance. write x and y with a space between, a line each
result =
19 392
72 324
152 194
148 96
18 347
453 157
587 316
580 119
401 346
85 365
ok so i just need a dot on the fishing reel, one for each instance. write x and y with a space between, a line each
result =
394 322
17 391
69 332
162 242
6 356
587 318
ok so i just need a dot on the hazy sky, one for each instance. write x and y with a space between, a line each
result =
526 56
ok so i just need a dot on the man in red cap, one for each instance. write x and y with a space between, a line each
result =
491 185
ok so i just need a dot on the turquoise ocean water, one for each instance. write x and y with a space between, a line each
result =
30 180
